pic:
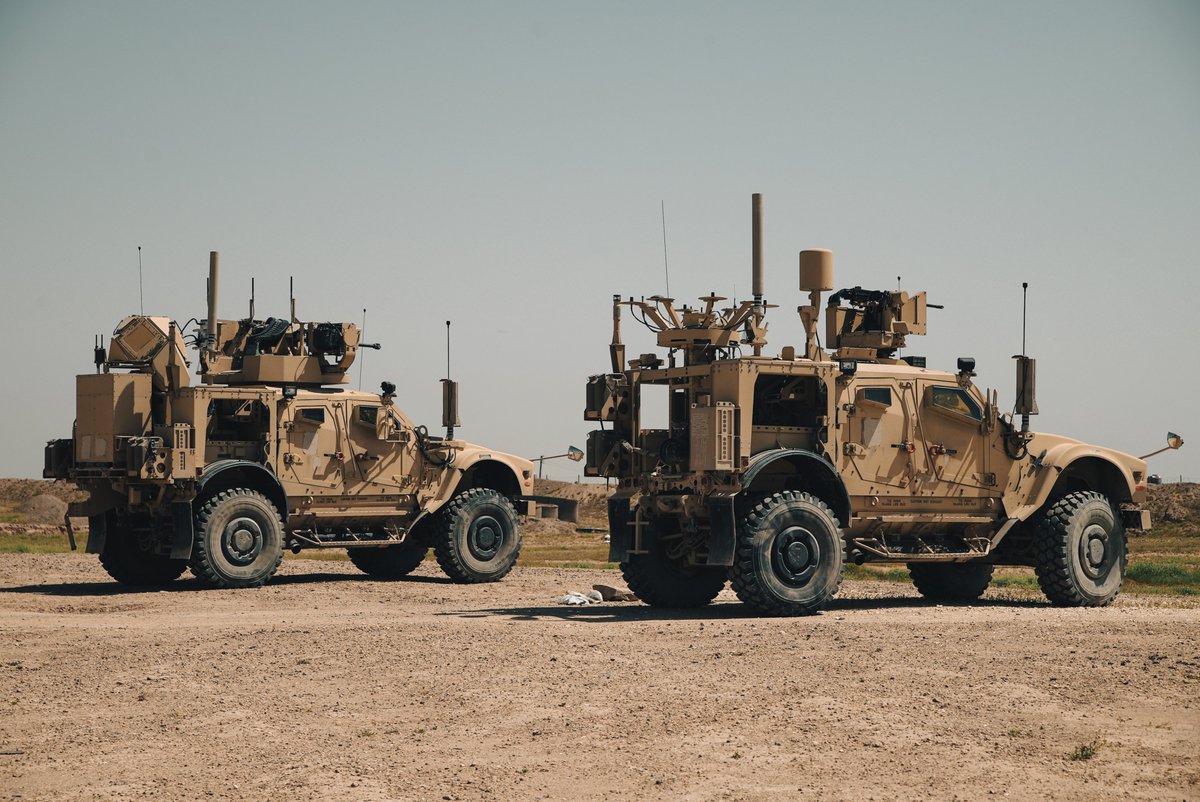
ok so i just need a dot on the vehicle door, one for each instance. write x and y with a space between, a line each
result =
385 457
313 451
951 426
880 454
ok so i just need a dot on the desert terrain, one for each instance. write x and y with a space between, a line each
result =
328 685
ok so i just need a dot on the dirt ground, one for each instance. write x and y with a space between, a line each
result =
327 685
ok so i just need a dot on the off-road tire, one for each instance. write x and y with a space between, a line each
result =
661 581
389 562
951 582
126 561
239 540
790 555
1079 551
477 537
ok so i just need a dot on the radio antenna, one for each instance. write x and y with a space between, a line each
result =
362 333
666 267
447 350
141 302
1024 304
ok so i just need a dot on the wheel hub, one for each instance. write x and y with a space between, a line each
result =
241 541
485 537
795 556
1094 555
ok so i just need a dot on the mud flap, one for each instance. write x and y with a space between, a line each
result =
182 530
722 539
620 533
97 532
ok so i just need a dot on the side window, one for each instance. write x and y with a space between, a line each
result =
314 415
876 395
368 416
955 400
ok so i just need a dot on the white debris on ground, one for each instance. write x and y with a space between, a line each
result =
597 595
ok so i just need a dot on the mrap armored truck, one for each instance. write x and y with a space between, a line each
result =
770 471
268 453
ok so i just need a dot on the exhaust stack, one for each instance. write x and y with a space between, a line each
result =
756 265
214 270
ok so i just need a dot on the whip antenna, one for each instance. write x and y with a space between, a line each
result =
1024 303
666 267
363 358
141 303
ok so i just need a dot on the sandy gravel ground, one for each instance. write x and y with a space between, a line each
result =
326 685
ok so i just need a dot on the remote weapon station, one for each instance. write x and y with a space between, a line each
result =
771 471
268 453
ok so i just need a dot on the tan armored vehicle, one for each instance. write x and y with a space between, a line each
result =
268 454
769 471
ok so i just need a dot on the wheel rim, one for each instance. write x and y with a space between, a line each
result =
485 538
241 540
1095 551
795 556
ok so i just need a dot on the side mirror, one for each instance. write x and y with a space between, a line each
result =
1173 441
574 454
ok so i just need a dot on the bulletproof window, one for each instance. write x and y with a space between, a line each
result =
878 395
956 400
313 414
788 400
368 415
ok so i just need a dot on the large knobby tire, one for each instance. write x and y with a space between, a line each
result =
953 582
239 540
661 581
133 562
477 537
790 555
389 562
1079 551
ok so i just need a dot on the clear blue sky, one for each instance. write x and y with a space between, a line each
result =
502 165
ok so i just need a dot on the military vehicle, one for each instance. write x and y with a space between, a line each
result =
268 454
771 471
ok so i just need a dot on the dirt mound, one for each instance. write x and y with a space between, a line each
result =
18 491
592 498
43 509
1177 503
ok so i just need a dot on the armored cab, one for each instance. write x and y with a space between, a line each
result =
771 470
267 453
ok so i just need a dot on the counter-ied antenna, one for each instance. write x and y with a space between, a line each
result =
1026 401
252 300
141 301
449 394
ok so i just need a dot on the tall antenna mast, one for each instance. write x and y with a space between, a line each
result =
141 303
449 394
1024 303
666 267
361 359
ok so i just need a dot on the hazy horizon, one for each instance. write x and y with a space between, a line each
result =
503 165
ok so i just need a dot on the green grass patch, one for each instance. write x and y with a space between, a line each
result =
23 543
1162 572
1085 751
877 574
1018 581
